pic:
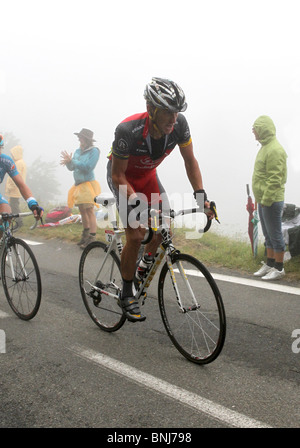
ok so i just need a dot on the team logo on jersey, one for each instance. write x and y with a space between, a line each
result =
186 134
122 145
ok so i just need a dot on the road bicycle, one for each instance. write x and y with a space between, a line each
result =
189 300
20 273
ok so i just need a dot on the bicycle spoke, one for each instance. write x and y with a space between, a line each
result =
21 279
100 283
192 309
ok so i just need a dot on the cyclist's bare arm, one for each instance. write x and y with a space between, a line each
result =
194 173
118 170
192 167
25 191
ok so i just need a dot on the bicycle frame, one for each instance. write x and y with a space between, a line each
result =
165 250
5 239
189 300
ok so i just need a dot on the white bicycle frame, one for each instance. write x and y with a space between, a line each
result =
113 237
4 226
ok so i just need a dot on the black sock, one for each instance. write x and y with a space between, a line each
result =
271 262
278 265
127 288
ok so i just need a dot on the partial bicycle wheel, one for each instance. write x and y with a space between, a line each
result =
21 279
198 327
98 269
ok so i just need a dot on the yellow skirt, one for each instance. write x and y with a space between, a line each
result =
84 193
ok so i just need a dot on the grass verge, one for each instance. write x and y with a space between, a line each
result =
211 249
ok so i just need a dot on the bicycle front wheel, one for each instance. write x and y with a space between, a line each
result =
192 309
21 279
99 270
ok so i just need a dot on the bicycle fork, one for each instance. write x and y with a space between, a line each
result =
186 282
19 262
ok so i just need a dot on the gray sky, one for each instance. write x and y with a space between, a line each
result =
72 64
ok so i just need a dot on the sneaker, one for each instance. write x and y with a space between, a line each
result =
263 270
89 240
274 274
131 309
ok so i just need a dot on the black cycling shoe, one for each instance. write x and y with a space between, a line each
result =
131 309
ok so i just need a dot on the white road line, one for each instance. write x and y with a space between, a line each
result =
32 243
248 282
216 411
258 284
3 314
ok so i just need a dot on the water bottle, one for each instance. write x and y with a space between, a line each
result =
143 266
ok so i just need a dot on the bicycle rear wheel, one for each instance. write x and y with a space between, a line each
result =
21 279
95 273
197 329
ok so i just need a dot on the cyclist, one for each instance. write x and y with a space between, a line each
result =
7 165
141 143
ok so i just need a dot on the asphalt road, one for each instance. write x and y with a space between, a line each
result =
61 371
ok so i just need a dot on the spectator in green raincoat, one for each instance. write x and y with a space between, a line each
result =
268 185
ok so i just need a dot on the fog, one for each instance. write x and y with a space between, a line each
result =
66 65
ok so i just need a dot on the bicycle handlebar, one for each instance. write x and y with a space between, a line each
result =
9 216
173 214
189 211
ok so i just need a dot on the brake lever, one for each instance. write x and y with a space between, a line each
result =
213 207
36 222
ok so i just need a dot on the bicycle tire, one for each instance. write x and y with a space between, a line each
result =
199 331
23 293
103 309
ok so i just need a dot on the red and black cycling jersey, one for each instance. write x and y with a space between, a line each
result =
133 143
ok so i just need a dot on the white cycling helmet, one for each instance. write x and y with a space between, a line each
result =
165 94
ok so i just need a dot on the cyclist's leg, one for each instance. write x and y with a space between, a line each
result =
134 237
160 202
129 256
4 208
153 245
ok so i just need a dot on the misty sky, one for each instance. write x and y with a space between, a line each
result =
66 65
